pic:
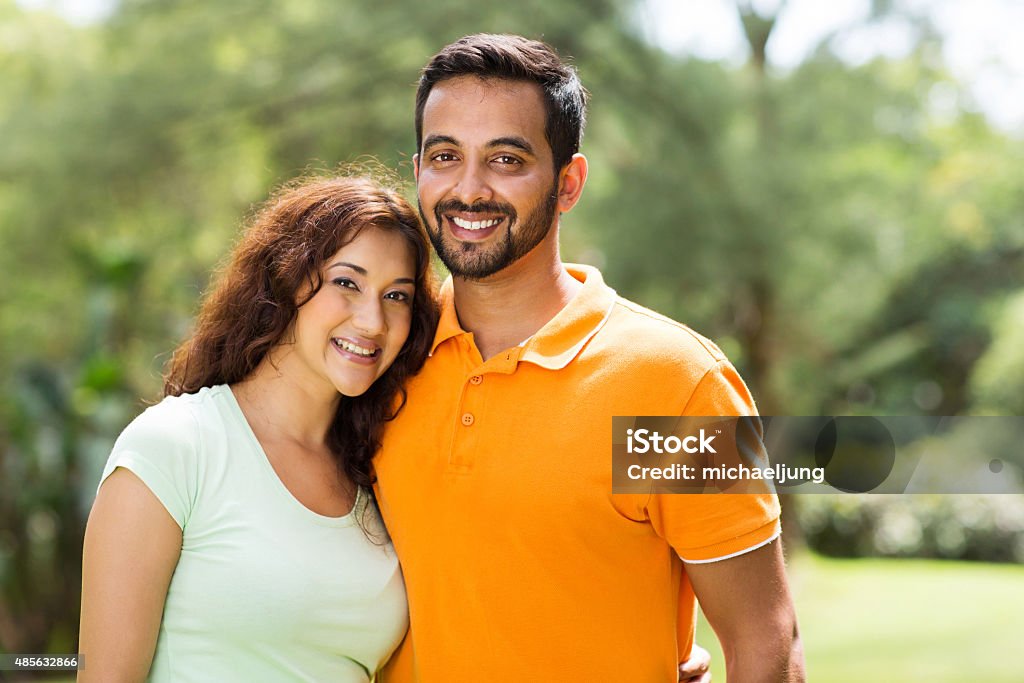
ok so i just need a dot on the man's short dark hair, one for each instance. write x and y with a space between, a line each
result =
516 59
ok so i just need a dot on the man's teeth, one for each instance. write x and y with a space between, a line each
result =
475 225
352 348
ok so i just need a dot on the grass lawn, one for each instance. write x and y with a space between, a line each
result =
901 621
904 621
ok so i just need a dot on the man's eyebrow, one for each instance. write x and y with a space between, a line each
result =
439 140
522 144
513 141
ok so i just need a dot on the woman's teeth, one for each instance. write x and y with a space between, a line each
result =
353 348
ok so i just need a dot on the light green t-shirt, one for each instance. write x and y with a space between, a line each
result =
265 588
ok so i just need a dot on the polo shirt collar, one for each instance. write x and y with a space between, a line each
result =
563 337
448 324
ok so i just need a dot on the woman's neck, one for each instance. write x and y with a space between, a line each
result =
285 407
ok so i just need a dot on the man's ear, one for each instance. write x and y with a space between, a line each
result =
571 181
416 166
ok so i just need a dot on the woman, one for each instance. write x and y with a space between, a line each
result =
234 535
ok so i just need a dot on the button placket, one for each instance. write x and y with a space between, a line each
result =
467 436
468 418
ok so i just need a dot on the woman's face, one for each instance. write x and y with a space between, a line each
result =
350 332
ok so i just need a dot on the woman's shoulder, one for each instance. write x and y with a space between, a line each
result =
176 422
165 448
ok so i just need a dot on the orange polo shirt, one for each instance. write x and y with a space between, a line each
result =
495 482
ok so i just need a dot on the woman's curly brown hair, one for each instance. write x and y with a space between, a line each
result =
255 300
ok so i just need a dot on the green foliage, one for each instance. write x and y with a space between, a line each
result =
851 249
999 374
989 529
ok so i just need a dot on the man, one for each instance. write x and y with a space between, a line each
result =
495 479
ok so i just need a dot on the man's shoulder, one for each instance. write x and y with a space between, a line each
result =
651 333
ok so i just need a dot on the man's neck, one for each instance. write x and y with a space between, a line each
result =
507 308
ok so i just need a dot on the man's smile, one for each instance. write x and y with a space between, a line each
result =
469 227
475 225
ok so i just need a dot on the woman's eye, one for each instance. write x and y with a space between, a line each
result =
397 296
344 282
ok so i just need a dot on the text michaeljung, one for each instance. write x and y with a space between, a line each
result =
778 473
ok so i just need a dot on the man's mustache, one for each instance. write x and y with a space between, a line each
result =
454 205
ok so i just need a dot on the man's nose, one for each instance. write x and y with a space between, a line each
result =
473 185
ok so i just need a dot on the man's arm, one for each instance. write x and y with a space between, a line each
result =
747 602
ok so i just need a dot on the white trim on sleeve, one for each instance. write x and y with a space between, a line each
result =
735 554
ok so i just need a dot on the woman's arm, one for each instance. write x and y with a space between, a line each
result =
132 545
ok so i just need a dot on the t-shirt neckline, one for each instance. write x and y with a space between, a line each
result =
348 519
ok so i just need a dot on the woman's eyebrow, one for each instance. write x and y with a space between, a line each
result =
346 264
363 271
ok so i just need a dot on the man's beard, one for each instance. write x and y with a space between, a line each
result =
474 261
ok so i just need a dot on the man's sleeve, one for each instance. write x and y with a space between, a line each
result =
716 526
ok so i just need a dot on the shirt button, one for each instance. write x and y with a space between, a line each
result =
468 419
476 379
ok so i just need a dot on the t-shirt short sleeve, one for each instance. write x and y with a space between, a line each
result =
716 526
160 447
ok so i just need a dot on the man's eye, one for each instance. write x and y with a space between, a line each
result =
344 282
443 157
507 159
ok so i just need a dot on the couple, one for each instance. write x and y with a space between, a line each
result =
236 534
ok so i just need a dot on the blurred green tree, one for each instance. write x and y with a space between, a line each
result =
852 247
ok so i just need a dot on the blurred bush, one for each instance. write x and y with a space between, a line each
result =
961 527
